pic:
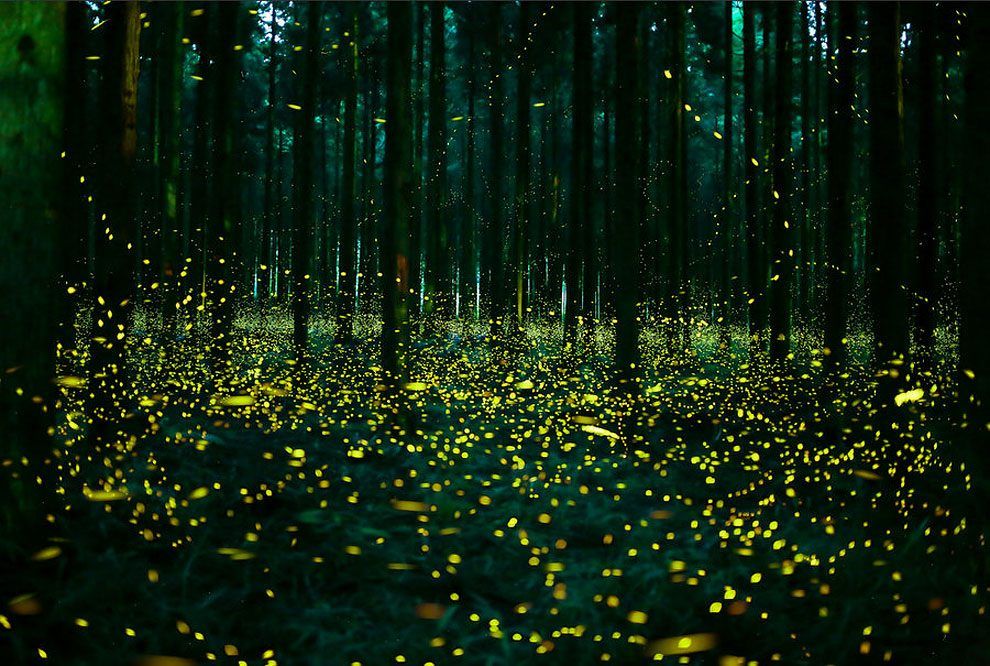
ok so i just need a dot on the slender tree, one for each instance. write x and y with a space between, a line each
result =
781 231
579 218
929 196
838 236
887 229
438 231
520 231
33 68
756 283
265 267
302 177
398 192
974 307
494 245
677 231
627 182
345 294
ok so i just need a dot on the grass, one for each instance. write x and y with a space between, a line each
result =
508 507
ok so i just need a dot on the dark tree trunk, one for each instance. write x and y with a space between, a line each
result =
115 265
520 230
678 292
302 177
579 219
345 294
33 71
782 229
438 233
628 181
471 251
398 193
494 247
223 231
929 196
888 230
974 305
838 236
755 273
265 268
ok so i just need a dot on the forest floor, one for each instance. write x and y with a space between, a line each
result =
509 506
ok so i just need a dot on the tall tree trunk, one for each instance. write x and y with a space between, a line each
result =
729 220
755 274
223 231
838 248
470 265
679 281
115 265
33 71
416 244
782 229
170 113
495 243
974 306
887 230
577 252
806 244
302 176
626 242
266 268
345 295
520 227
438 265
929 196
398 193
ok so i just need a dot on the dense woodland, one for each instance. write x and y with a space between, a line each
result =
402 246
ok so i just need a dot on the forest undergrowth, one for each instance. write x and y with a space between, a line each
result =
510 504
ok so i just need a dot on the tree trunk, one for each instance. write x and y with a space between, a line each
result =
495 235
345 295
929 196
265 268
520 228
974 305
302 176
438 263
115 265
888 229
398 193
679 283
33 75
755 274
782 230
626 241
838 248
